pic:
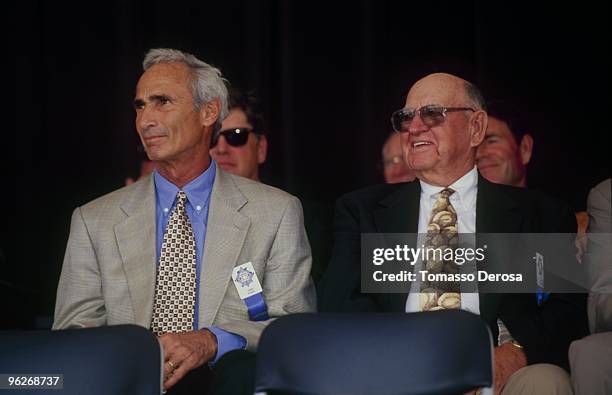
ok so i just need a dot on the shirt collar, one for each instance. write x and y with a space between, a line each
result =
465 187
197 191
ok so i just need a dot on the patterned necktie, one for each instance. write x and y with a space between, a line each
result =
441 235
174 302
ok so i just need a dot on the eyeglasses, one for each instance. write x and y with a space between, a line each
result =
236 137
430 115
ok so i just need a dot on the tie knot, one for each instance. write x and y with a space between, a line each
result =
446 192
181 198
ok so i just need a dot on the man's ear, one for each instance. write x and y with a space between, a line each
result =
209 112
262 149
478 127
526 148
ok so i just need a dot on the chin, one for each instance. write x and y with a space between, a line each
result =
492 178
419 166
153 151
227 168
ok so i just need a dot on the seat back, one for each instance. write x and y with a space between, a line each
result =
123 359
441 352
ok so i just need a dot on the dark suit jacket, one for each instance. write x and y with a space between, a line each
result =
545 331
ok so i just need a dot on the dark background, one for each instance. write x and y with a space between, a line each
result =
329 75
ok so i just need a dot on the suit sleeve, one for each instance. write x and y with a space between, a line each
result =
287 286
79 300
340 288
599 263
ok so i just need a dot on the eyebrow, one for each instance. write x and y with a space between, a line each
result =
159 97
153 98
424 105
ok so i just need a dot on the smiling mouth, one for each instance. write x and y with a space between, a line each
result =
417 144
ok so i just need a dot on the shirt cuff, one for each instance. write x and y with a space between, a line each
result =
226 342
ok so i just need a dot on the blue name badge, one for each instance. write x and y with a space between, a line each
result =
541 295
250 291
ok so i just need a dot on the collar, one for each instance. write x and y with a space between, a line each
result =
197 191
465 188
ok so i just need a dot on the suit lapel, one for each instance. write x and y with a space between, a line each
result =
136 241
496 212
225 234
399 213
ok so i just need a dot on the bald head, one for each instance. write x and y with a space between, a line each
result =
460 91
441 148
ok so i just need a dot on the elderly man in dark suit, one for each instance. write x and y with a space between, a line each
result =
443 122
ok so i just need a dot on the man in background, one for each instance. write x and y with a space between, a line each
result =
241 146
395 168
504 154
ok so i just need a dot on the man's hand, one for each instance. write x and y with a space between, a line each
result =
508 359
186 351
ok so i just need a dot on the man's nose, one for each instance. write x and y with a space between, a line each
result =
146 119
417 125
221 147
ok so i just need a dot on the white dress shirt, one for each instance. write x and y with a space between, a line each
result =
464 202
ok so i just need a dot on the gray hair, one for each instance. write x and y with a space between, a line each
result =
475 96
207 83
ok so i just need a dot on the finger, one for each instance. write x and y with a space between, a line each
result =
178 356
169 367
177 375
188 364
171 360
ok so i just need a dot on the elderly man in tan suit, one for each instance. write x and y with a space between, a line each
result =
172 251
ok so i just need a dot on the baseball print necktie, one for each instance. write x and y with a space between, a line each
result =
441 236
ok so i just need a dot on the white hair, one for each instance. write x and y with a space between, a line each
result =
207 84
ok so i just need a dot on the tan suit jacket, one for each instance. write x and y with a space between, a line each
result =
108 275
598 257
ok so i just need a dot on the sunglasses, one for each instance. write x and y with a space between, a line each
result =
236 137
430 115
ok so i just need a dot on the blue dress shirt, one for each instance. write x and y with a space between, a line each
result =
198 194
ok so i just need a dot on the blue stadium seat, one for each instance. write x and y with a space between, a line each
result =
441 352
123 359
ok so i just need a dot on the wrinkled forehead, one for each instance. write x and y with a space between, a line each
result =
438 91
165 74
